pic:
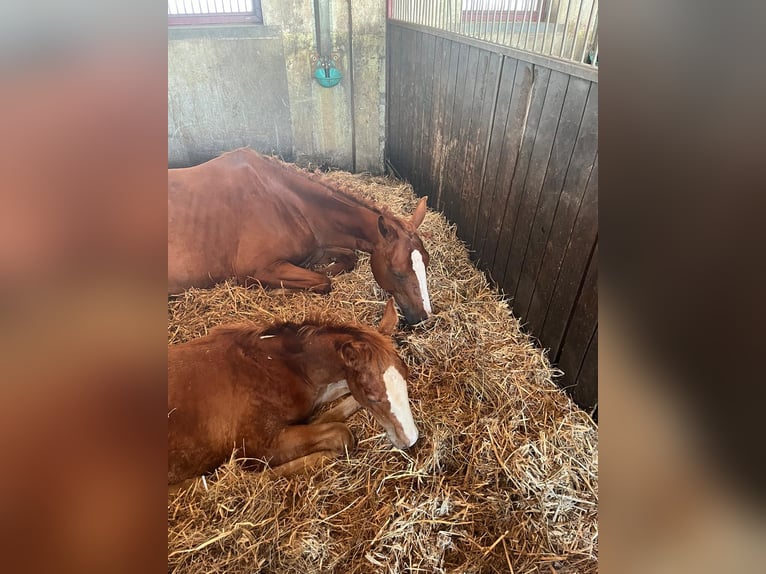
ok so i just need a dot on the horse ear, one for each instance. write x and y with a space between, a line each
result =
420 212
389 320
386 231
354 353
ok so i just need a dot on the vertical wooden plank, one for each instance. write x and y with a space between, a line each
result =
573 267
441 76
582 325
510 200
463 96
408 48
496 160
533 181
442 115
424 149
484 107
553 183
571 199
475 76
446 143
415 81
585 389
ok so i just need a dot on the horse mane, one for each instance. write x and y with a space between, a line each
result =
245 334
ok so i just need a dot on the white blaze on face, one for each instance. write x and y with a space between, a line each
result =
396 389
420 272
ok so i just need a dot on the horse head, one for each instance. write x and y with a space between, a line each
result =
377 379
399 263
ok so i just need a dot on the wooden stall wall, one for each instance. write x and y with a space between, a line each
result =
506 146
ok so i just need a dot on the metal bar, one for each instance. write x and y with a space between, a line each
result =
496 21
524 20
564 35
547 25
584 71
576 30
485 19
507 20
529 22
588 31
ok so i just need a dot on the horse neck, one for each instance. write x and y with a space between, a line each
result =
354 223
321 362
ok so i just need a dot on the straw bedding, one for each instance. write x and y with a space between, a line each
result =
502 479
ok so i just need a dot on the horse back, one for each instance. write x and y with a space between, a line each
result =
223 393
231 216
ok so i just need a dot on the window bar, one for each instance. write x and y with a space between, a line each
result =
547 25
595 56
588 31
523 21
564 35
477 20
496 22
461 28
487 15
507 20
513 23
529 21
577 30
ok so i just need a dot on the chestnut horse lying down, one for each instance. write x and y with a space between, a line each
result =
255 390
245 217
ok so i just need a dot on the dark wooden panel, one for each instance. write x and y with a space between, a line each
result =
408 109
440 81
582 325
456 142
416 84
508 149
584 386
533 181
504 149
580 244
472 101
493 161
423 151
569 205
527 128
476 154
561 154
473 81
399 144
447 122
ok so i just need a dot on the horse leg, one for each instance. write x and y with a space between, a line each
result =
339 412
337 260
304 464
298 441
288 276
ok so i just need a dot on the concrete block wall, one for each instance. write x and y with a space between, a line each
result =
253 85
